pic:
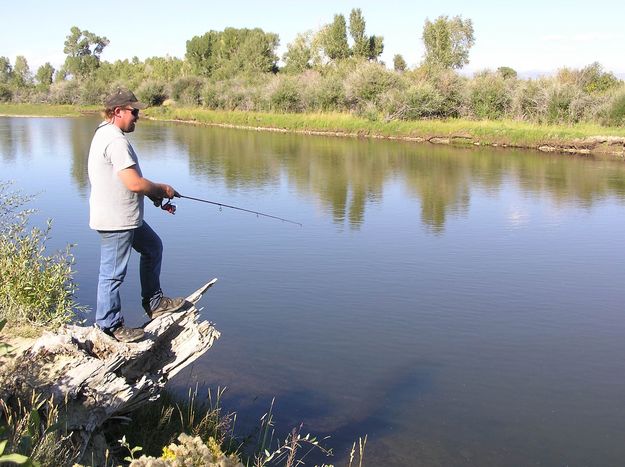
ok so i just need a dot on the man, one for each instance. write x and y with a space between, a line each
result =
116 212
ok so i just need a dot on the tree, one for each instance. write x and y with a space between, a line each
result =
6 70
83 50
399 64
299 55
333 39
201 51
22 76
232 51
506 72
44 74
448 41
369 48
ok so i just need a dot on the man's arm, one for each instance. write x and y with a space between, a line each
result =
138 184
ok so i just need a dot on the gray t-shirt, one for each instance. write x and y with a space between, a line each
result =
112 205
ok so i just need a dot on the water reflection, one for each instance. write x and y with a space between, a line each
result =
344 175
347 175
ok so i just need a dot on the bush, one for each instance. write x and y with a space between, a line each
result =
367 83
6 95
152 92
489 96
286 95
187 90
452 89
420 100
615 115
34 287
559 100
527 101
92 92
64 92
329 94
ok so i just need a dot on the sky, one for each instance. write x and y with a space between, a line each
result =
532 36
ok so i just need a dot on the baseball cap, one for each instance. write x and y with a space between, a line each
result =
122 98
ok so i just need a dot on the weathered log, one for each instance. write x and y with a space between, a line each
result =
95 377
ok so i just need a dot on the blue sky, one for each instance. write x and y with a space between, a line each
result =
531 36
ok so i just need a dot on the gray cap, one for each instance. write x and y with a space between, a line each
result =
122 98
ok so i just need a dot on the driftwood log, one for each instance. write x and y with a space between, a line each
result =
95 377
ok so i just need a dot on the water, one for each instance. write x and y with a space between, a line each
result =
460 307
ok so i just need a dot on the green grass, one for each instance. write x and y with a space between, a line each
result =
502 132
461 131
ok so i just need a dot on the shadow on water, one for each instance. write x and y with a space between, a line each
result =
336 424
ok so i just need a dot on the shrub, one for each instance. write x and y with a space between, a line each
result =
34 287
453 90
91 92
64 92
527 101
187 90
615 115
559 99
489 96
6 95
329 94
367 83
152 92
286 95
420 100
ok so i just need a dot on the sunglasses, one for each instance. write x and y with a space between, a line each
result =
134 112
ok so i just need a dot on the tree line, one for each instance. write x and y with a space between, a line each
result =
336 68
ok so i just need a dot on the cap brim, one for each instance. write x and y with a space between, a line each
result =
138 105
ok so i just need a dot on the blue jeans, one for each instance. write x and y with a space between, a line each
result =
115 248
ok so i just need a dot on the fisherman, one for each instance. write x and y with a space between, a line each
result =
116 212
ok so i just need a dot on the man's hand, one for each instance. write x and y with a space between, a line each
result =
157 201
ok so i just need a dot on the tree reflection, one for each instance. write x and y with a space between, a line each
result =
347 175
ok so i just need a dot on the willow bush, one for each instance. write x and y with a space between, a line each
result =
35 287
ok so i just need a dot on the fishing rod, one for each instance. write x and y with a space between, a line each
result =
171 208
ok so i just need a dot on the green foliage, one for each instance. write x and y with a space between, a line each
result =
164 68
233 51
187 90
616 109
332 39
22 76
329 94
92 92
44 75
35 287
452 89
419 100
6 70
368 82
6 94
155 425
506 72
489 96
287 96
560 98
298 56
594 80
447 41
64 92
365 47
83 50
399 64
152 92
33 430
527 101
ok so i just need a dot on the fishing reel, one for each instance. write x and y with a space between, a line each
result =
167 206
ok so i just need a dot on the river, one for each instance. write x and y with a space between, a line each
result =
458 306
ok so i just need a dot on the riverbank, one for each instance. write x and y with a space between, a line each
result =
583 139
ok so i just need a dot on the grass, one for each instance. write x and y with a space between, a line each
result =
460 131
